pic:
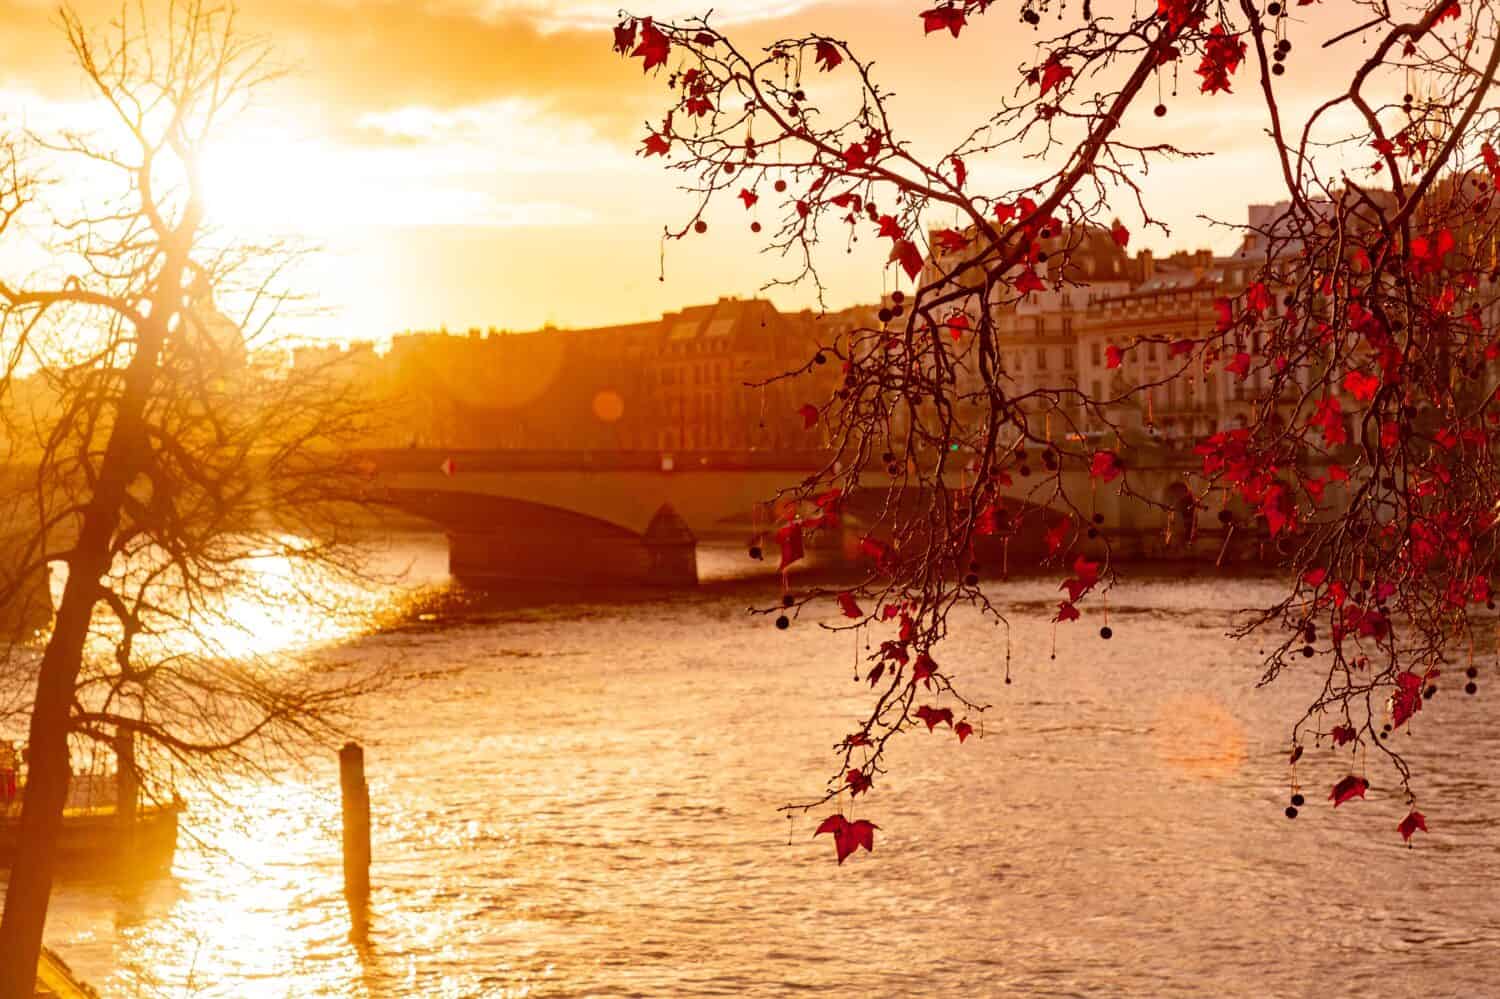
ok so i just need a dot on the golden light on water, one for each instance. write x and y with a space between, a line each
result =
1196 735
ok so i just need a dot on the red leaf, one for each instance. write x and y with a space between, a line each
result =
1066 612
889 227
963 730
790 538
1113 356
809 414
657 145
624 37
932 716
848 606
1341 734
922 670
1105 467
848 836
1409 825
1361 385
827 55
748 196
951 240
858 782
653 47
909 256
1120 233
939 18
1349 787
1028 281
1055 72
960 172
1240 365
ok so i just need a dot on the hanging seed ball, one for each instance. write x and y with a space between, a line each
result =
1471 672
1291 811
1160 110
780 186
1298 800
1307 652
1386 727
1273 9
1471 687
898 311
1277 68
1430 691
1093 532
1285 45
893 468
885 315
799 95
1098 518
898 297
1106 633
1225 516
700 227
783 622
1025 470
1007 681
1031 17
787 600
820 358
1407 99
755 227
888 457
971 580
756 553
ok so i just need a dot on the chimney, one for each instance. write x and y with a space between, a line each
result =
1147 264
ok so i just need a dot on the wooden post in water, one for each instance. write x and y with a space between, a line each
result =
356 797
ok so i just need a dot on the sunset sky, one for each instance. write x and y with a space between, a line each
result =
473 162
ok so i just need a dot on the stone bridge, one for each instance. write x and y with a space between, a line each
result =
636 517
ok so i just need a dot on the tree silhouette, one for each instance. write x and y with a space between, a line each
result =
176 476
1363 332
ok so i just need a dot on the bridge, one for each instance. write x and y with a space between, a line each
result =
637 516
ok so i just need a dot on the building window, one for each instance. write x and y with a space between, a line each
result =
1067 325
1096 355
1039 326
1068 358
1041 357
1151 352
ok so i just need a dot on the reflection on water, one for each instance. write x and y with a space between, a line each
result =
581 800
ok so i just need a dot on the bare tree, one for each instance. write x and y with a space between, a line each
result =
172 462
1370 297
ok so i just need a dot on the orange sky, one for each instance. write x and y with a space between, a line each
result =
472 162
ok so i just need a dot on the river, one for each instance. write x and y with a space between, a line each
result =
579 799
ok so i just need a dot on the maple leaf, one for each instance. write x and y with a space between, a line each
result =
963 730
1240 365
624 37
932 716
1057 534
1414 820
1120 234
848 836
1105 466
957 324
1222 53
1349 787
1448 13
951 240
1224 308
960 172
827 55
1361 385
1113 356
748 196
1341 734
790 539
809 414
1066 612
858 782
922 670
889 227
657 145
653 47
938 18
848 605
1028 281
910 258
1054 72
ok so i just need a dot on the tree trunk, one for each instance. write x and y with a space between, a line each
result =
48 769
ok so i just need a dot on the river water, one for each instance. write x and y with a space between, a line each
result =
581 799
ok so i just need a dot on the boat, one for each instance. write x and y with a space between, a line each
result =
99 841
